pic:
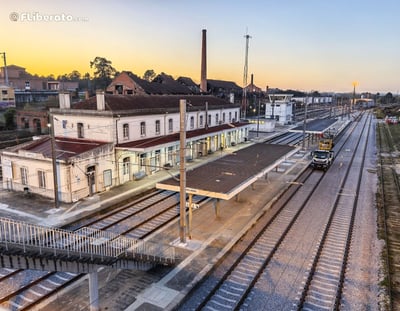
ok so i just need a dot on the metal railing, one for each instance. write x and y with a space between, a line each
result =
85 243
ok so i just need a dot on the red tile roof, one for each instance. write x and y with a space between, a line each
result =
65 148
154 141
146 104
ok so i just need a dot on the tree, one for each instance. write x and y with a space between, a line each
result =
149 75
63 77
103 71
74 75
9 117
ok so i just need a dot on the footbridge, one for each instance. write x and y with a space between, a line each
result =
28 246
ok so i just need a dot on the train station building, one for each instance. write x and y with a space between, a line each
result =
108 140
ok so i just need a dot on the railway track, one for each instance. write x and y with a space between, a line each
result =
324 284
137 219
390 212
242 278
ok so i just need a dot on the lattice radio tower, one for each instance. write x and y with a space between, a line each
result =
245 72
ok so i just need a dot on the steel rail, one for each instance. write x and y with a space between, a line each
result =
322 244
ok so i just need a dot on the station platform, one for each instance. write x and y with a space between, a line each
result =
42 211
211 236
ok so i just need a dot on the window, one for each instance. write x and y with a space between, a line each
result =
42 179
170 125
158 131
217 118
223 117
64 124
230 116
80 130
236 116
107 176
126 165
24 175
201 121
191 122
209 120
170 153
142 161
119 89
25 121
142 128
125 129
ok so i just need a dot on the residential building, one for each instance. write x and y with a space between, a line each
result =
127 83
108 140
7 97
34 120
225 89
21 80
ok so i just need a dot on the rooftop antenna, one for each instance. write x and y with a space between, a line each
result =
245 72
5 68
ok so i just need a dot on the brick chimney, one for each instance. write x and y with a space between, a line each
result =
64 100
203 78
100 100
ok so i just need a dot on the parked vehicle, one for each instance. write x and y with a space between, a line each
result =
324 156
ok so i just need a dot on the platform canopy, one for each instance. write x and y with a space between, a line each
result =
318 126
229 175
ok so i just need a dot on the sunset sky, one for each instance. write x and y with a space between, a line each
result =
304 45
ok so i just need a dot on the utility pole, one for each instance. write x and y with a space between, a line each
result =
5 68
182 172
258 116
305 125
54 161
246 69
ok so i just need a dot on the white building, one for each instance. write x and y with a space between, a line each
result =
107 140
279 108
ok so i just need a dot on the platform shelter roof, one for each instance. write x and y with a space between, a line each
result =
317 126
230 174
